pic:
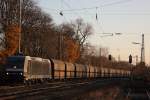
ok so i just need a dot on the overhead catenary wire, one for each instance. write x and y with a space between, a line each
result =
63 1
105 14
55 11
98 13
113 13
87 8
115 3
97 7
74 11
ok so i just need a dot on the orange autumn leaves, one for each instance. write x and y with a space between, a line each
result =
11 41
72 49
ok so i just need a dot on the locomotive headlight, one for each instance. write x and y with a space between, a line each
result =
14 67
7 73
21 74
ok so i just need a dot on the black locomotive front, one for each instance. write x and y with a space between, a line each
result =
14 67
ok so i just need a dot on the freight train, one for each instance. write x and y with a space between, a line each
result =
34 69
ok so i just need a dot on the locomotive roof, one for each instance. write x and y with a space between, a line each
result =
15 58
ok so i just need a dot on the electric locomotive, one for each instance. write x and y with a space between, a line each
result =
14 68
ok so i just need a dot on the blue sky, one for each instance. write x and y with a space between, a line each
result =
130 17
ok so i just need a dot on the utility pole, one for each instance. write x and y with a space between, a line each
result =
20 13
142 50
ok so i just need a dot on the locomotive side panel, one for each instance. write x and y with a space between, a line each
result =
37 68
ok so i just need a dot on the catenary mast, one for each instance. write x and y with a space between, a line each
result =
142 50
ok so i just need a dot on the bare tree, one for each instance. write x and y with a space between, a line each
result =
83 30
78 31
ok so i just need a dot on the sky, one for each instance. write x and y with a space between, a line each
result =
129 17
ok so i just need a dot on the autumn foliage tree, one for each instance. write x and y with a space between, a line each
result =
72 49
75 35
11 41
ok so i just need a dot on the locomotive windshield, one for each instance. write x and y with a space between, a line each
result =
15 62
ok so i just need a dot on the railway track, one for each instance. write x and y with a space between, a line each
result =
23 86
138 94
35 90
148 94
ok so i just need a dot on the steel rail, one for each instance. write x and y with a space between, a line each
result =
148 94
39 90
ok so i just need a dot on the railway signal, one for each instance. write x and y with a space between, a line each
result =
130 59
109 57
